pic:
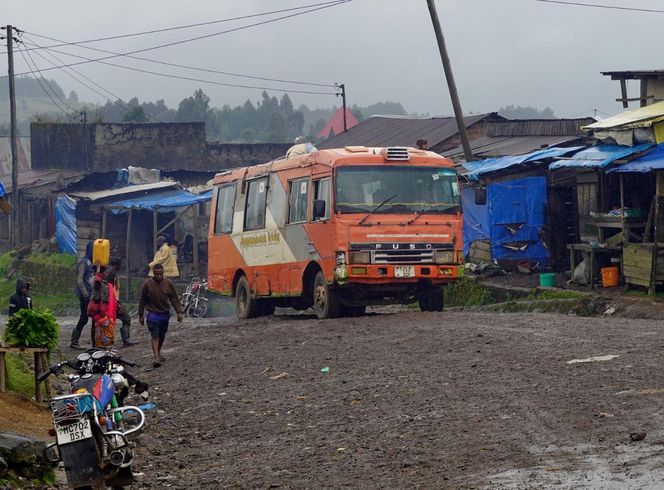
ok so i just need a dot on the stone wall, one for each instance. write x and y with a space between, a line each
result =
100 147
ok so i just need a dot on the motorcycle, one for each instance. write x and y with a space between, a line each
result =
93 428
194 302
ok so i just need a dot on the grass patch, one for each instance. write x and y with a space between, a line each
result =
467 292
6 260
53 259
546 294
20 376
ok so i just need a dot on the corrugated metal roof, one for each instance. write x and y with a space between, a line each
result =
599 156
539 127
381 131
641 117
121 191
33 179
488 146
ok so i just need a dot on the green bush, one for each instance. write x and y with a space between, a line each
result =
6 260
32 328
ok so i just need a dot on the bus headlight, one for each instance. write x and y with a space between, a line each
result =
359 258
341 258
443 256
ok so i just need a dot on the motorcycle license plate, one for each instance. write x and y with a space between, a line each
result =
404 271
73 432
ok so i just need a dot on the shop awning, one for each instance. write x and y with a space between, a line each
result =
163 202
653 160
599 156
477 168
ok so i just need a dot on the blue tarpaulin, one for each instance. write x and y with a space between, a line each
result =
475 219
2 189
163 202
653 160
512 219
477 168
65 224
599 156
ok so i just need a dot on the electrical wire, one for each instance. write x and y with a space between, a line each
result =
188 67
178 77
183 41
596 5
155 31
20 50
67 71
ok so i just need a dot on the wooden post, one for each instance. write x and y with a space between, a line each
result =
195 225
127 264
651 214
644 92
625 232
653 271
38 371
103 223
623 93
155 232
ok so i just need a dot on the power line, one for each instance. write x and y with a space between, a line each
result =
67 71
192 79
183 41
600 6
40 84
188 67
154 31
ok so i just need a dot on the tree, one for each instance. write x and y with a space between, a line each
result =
135 114
194 108
277 131
527 112
73 97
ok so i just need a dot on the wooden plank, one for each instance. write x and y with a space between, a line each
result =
637 281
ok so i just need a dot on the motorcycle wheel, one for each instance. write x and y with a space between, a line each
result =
197 309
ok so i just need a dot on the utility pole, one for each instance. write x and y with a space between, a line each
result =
12 124
342 87
447 66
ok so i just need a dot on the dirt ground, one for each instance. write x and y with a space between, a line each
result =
431 400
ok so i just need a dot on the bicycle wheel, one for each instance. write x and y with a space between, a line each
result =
198 308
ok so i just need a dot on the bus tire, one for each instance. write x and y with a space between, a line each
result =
326 301
431 299
245 306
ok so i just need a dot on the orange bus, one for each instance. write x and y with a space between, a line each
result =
336 230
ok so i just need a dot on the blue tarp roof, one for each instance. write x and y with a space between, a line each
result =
653 160
164 202
599 156
477 168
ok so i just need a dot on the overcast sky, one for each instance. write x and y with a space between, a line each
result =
520 52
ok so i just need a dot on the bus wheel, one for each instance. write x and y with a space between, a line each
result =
245 305
326 303
431 299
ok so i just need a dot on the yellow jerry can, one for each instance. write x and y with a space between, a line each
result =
101 252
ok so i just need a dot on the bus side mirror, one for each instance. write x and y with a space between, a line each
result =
319 209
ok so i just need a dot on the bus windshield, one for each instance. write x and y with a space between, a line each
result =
406 189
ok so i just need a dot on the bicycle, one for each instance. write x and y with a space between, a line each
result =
194 302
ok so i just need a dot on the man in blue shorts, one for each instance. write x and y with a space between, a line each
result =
157 297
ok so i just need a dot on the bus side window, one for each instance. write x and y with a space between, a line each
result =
298 200
254 212
223 219
322 193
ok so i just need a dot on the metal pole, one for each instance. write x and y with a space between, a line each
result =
12 123
195 237
127 255
343 103
447 66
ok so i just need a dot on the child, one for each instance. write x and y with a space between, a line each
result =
21 299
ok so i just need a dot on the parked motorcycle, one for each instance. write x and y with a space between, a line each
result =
194 302
93 428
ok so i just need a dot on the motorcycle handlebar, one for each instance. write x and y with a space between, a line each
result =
55 368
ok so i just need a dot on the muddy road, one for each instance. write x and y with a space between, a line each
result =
402 400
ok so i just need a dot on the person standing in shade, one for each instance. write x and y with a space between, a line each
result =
165 257
21 300
422 144
113 277
84 278
157 296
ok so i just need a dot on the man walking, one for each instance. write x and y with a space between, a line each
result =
113 277
157 296
84 278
